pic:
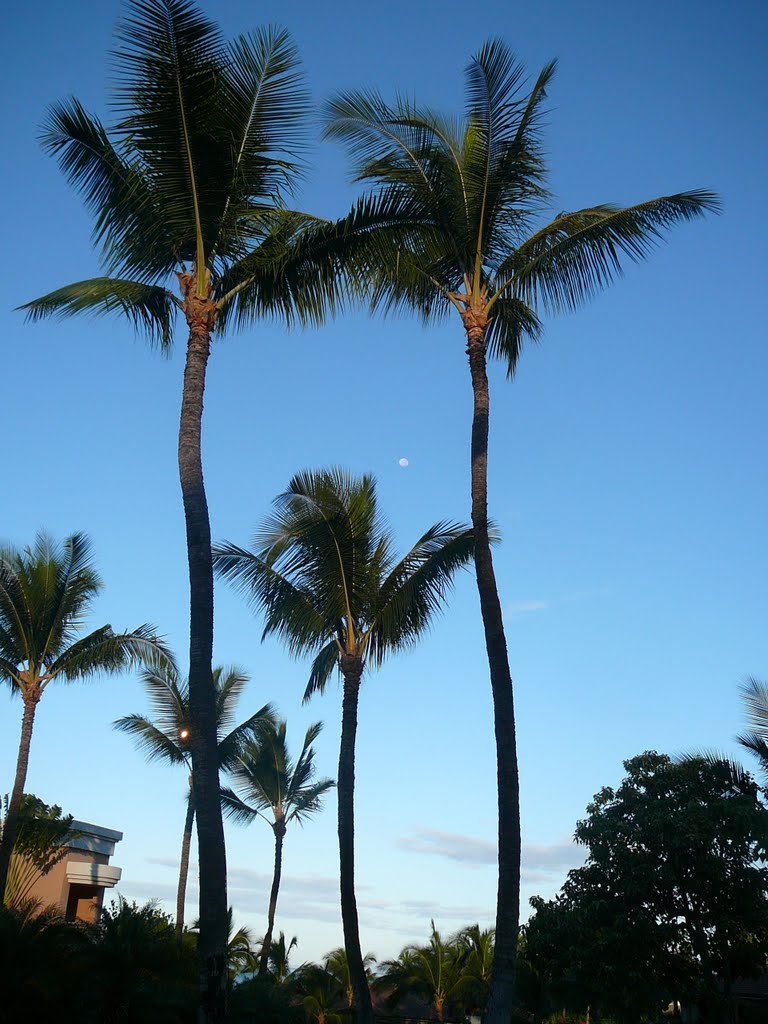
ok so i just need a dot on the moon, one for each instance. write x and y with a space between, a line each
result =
403 462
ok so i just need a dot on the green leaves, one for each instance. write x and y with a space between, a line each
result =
463 199
150 309
45 595
326 578
271 781
193 174
165 737
577 254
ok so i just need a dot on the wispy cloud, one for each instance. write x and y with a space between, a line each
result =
466 849
540 860
522 607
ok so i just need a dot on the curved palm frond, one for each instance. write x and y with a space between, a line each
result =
114 188
570 260
149 308
416 589
155 743
106 651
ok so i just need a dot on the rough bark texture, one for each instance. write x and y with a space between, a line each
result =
502 985
31 700
212 945
279 830
352 669
186 842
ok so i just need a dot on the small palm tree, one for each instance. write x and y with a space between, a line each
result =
321 994
336 962
450 230
165 737
476 955
279 957
187 189
432 972
264 772
327 579
46 592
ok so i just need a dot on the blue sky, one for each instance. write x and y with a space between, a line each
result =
627 462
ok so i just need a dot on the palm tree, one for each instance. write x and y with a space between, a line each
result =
271 781
166 738
46 591
279 954
450 229
337 964
185 188
327 579
432 972
476 954
320 992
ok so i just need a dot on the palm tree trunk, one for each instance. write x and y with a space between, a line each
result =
186 842
502 984
10 826
352 670
212 946
279 829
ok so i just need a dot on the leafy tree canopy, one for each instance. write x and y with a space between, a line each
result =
674 894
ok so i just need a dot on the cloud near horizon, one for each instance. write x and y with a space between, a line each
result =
522 607
540 860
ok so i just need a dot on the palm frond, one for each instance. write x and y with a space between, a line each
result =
290 612
106 651
169 58
570 260
265 105
155 743
149 308
236 809
323 664
754 693
510 326
114 189
417 588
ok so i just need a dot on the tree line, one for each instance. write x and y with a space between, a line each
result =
188 185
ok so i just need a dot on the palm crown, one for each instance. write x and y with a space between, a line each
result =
46 592
327 578
191 176
165 736
451 221
272 781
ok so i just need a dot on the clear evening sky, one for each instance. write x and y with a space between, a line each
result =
628 469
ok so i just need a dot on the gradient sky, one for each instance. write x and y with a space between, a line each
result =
628 472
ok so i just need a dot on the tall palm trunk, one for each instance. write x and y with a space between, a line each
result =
31 700
201 316
186 842
502 984
279 829
352 670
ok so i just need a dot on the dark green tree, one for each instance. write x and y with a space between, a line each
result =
39 845
327 579
673 898
46 592
166 737
271 781
452 228
186 187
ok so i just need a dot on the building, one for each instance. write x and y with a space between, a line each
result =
77 882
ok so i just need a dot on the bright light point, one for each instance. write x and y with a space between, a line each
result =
184 734
403 463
